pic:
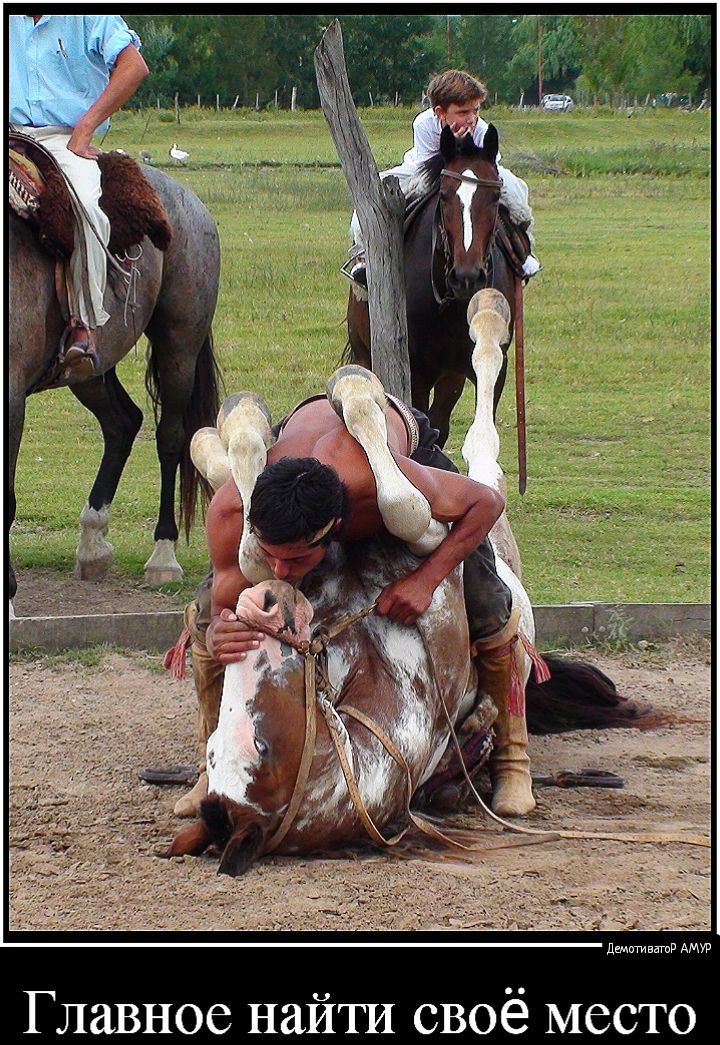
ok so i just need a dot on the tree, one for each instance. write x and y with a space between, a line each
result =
485 48
389 54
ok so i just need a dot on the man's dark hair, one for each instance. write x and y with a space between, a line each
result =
294 499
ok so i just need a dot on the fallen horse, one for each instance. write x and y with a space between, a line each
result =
326 738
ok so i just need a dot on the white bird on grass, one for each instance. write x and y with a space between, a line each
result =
178 155
145 156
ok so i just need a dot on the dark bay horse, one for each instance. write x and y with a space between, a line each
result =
173 304
450 254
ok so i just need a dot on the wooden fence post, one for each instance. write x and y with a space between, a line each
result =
381 208
177 108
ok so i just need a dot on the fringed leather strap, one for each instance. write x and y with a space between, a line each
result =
175 659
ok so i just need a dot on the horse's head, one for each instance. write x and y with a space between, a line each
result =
469 198
254 755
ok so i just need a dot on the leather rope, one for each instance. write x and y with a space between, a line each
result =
520 384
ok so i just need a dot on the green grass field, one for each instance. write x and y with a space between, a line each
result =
617 338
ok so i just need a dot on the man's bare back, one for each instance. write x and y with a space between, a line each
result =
315 431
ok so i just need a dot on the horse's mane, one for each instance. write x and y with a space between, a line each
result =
426 180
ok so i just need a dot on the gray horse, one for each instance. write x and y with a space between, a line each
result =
173 305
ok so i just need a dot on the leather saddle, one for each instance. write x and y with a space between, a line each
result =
38 192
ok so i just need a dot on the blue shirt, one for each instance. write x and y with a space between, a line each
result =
61 66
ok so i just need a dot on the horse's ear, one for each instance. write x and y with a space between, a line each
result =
448 143
242 851
491 142
191 841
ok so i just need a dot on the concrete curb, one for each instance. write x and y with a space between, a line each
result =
572 624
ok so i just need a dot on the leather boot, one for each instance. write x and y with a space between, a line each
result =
208 675
495 657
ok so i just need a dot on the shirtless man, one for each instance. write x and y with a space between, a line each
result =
318 487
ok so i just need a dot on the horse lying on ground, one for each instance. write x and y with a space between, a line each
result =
322 742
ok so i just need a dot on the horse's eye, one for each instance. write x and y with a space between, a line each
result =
261 746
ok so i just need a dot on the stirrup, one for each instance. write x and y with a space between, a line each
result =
352 267
79 357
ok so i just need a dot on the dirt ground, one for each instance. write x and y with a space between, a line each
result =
84 831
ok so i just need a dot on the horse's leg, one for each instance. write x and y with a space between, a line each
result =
504 281
120 420
489 317
244 426
173 366
358 324
358 397
16 421
447 391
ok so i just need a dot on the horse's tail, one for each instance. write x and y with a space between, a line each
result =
580 696
201 412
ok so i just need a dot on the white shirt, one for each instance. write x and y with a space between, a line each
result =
427 130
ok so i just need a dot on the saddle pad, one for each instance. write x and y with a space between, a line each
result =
25 184
38 190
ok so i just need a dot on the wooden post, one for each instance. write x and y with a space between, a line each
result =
293 100
381 208
257 101
177 108
217 103
276 98
198 101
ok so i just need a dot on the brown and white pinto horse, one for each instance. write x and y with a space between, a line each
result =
395 675
311 756
450 253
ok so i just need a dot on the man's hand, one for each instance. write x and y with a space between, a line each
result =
461 128
405 600
228 641
79 143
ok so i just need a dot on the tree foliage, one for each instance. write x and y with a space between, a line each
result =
253 56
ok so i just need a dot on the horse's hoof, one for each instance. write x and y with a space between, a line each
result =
156 576
189 804
162 567
93 570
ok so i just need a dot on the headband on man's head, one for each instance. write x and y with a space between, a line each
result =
311 541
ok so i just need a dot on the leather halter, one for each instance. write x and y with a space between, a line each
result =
487 183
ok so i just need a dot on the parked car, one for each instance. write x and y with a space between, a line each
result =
557 102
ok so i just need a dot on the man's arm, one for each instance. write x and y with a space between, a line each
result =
471 507
128 73
227 640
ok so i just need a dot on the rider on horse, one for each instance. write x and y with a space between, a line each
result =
68 74
455 98
318 487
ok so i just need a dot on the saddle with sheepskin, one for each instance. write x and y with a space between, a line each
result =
38 192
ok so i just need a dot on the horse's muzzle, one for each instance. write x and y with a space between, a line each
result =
464 282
